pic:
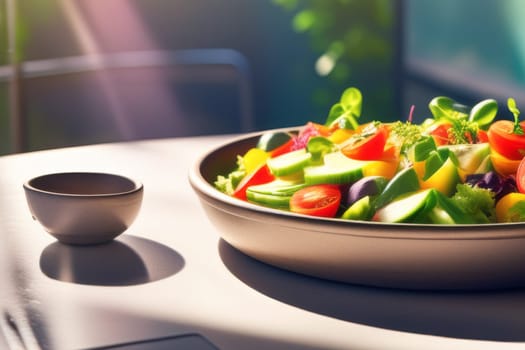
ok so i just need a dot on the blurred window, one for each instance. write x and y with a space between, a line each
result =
469 49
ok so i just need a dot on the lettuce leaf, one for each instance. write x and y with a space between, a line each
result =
476 202
228 183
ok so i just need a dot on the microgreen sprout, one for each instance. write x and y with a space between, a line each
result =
346 112
511 104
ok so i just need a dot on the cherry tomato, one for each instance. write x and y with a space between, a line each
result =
520 176
390 153
482 136
259 176
316 200
369 145
504 141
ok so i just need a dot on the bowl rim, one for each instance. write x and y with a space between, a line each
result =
137 185
233 206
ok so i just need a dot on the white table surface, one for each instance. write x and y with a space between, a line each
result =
171 274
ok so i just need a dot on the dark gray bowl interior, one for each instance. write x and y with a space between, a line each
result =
83 183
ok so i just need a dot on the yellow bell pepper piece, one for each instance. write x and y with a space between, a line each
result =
419 167
503 212
381 168
340 135
504 165
254 158
444 179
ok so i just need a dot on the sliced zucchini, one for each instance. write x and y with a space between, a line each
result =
404 181
289 163
416 204
359 210
440 216
469 157
275 194
337 169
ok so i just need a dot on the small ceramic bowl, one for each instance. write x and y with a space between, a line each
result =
84 208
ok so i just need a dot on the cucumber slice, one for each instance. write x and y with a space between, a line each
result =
416 204
269 200
275 194
289 163
404 181
277 187
485 166
469 157
360 210
456 214
440 216
337 169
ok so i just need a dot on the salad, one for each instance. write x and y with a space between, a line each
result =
461 165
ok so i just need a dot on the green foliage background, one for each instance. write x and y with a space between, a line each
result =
359 37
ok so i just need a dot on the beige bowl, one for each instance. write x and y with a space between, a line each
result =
84 208
412 256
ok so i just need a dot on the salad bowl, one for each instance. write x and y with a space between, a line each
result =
395 255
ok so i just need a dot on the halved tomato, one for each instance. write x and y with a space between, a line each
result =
440 133
317 200
482 136
520 176
504 141
369 144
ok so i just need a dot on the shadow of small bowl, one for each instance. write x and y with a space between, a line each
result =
83 208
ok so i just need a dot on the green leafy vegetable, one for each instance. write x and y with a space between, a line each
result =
478 203
352 101
227 184
346 112
445 108
465 121
483 113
